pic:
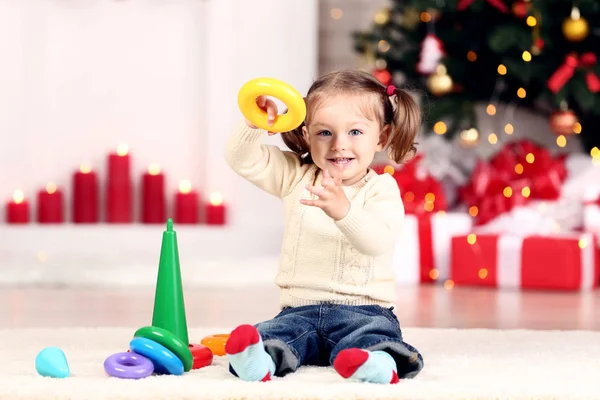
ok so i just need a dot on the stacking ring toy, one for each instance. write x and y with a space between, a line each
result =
278 89
216 343
203 356
170 341
165 362
128 366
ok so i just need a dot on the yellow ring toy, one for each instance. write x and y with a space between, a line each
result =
278 89
216 343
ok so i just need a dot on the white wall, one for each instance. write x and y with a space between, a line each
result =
78 77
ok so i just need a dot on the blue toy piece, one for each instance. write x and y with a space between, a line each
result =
52 362
164 360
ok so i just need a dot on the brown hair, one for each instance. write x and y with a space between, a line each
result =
399 110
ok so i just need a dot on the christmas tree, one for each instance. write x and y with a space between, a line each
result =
536 54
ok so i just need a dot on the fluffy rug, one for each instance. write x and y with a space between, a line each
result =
473 364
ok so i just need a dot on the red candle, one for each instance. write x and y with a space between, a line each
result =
215 210
118 187
153 196
85 196
186 204
17 210
50 205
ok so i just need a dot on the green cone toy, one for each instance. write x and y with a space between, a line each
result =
169 307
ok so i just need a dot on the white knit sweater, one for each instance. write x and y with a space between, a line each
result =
343 262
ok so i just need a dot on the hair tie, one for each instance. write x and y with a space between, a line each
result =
391 90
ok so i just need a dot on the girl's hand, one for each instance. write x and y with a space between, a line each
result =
269 107
332 199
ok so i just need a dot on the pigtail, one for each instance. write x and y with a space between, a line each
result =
294 140
405 124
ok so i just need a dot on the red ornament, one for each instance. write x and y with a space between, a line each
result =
383 76
562 122
520 9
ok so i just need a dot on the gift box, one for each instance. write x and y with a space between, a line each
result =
423 250
507 260
591 210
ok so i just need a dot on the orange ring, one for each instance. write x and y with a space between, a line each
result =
216 343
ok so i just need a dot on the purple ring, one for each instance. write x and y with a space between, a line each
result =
128 365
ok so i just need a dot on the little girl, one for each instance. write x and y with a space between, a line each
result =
342 220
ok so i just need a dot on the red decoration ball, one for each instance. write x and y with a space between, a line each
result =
383 76
563 122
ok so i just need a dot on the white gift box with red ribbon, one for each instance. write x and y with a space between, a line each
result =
422 252
523 250
591 209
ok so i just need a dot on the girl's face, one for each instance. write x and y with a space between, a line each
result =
342 139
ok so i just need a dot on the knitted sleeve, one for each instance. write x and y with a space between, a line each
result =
266 166
373 227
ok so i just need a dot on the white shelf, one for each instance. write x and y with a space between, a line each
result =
128 255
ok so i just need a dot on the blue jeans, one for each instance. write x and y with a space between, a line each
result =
315 334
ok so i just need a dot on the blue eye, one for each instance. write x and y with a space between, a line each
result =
355 132
324 133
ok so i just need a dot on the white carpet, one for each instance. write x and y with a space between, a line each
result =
474 364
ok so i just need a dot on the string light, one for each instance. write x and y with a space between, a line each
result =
509 129
502 69
336 13
582 243
526 56
561 141
526 192
507 192
483 273
383 46
440 128
491 109
449 284
409 196
577 128
471 238
473 211
425 16
595 152
492 138
388 169
521 93
471 56
531 21
434 274
519 168
430 197
530 158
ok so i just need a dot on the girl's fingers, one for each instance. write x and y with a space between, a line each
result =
319 191
312 203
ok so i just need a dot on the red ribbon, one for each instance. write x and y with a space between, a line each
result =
565 72
422 197
593 202
463 4
498 186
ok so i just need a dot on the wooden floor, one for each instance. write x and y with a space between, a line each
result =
424 306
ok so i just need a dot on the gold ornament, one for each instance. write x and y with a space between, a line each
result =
439 83
563 122
575 28
411 18
469 138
